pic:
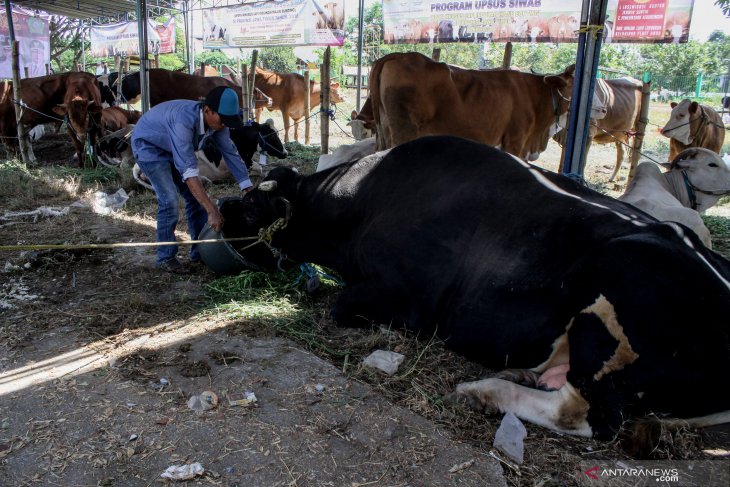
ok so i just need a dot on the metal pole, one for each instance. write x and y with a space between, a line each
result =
83 46
185 11
144 83
593 15
324 77
23 143
360 35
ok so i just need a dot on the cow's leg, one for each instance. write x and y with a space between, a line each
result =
563 410
258 114
79 162
285 117
619 158
296 130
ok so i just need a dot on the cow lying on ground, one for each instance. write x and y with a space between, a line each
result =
621 99
287 93
168 85
211 165
697 179
693 125
116 118
413 96
517 268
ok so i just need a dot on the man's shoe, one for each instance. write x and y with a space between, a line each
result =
173 266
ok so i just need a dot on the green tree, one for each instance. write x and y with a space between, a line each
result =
280 59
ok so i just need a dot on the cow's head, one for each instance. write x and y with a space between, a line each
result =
562 86
79 111
706 170
268 207
679 125
269 140
361 128
335 97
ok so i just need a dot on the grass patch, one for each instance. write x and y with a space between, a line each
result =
720 231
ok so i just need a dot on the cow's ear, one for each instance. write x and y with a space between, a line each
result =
270 123
684 159
673 104
570 70
60 110
693 107
353 115
334 85
555 81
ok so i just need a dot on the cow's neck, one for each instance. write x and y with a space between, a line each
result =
681 191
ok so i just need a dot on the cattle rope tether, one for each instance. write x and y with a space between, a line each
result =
116 245
594 30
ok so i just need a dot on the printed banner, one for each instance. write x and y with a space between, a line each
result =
275 23
34 45
122 39
419 21
648 21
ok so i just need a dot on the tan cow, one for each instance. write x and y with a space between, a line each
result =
287 94
116 118
413 96
621 99
693 125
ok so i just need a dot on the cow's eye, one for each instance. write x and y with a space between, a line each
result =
712 164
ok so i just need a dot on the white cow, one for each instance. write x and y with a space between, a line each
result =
696 180
347 153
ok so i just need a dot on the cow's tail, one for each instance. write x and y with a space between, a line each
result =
139 176
643 437
374 90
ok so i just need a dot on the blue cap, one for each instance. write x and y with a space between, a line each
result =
224 101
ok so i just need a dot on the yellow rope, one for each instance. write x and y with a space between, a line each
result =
594 30
117 245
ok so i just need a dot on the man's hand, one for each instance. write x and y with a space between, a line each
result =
215 219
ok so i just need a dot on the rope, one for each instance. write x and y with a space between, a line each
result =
617 140
24 105
116 245
594 30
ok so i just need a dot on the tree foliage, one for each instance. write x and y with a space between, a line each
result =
66 36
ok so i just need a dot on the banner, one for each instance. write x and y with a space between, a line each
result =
275 23
34 41
122 39
419 21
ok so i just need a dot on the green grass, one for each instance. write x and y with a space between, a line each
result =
720 230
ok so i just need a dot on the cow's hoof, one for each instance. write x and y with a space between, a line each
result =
522 377
471 395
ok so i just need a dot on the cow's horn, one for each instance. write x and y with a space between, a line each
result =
90 102
267 186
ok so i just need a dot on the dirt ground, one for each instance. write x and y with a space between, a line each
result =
100 354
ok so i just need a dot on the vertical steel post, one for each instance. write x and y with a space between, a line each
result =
360 36
144 82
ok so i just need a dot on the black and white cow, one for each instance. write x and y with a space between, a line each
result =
261 137
598 312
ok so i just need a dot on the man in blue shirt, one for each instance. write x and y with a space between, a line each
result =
164 143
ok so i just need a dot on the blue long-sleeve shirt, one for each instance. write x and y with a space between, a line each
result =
174 130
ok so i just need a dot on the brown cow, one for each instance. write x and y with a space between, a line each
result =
81 109
621 99
115 118
413 96
363 123
287 92
41 95
693 125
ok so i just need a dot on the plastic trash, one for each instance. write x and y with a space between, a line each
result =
384 360
242 398
183 472
105 204
203 402
509 436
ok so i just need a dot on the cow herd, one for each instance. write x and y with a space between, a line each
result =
596 310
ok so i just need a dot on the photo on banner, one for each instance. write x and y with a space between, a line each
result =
122 39
275 23
34 45
531 21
